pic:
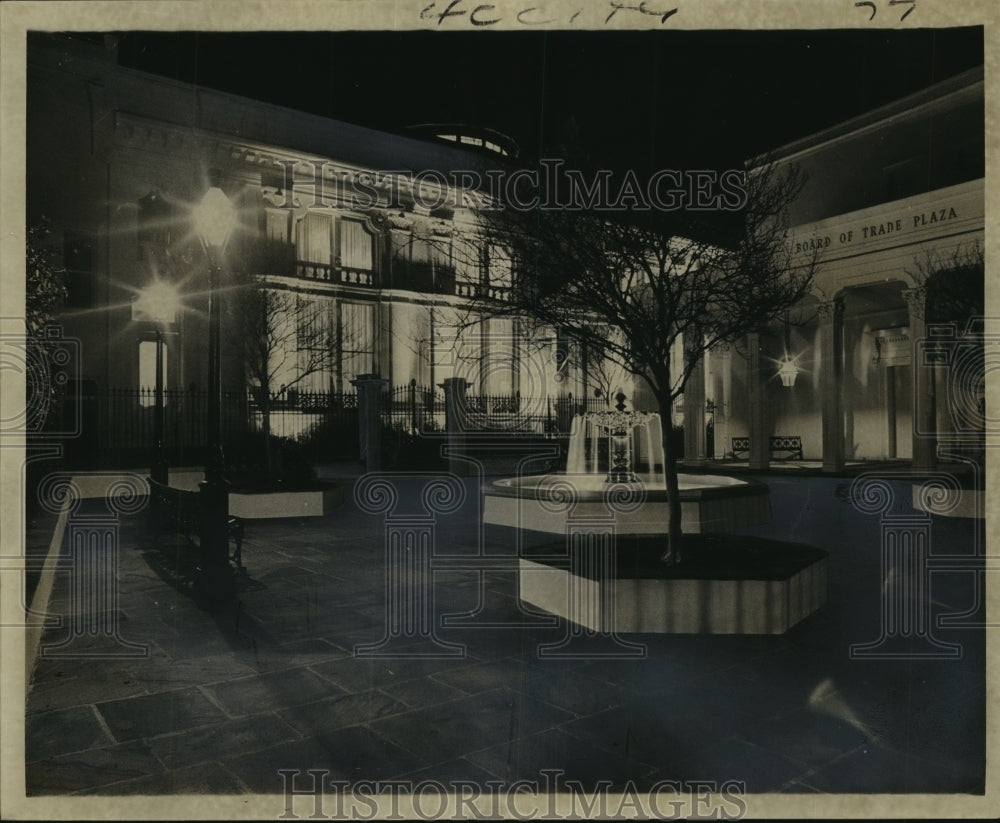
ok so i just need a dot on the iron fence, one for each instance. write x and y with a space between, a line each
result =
120 427
327 421
413 408
517 413
119 423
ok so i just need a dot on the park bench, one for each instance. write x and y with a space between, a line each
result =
179 511
788 444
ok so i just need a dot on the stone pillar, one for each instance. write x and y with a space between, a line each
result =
455 421
723 407
760 453
924 403
694 415
383 342
369 388
889 383
831 335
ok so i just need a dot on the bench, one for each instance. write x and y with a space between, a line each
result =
790 444
179 511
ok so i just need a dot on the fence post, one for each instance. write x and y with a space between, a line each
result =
369 388
455 421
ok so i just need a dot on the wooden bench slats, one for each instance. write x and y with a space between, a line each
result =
179 511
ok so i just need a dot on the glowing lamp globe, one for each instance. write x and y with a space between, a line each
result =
214 218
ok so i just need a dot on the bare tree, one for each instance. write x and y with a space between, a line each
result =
634 284
284 338
953 283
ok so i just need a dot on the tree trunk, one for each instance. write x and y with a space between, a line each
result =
673 554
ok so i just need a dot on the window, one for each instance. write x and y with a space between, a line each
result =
78 261
154 224
499 357
468 261
312 239
276 225
314 343
147 372
500 267
357 339
355 245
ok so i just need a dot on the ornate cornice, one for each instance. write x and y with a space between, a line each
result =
399 221
916 302
441 228
831 311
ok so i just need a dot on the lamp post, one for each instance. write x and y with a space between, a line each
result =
214 220
159 470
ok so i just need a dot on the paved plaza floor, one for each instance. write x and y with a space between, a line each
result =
293 676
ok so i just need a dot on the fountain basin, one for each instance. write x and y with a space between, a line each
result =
729 584
709 503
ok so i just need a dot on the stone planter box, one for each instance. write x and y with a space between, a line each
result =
709 503
767 597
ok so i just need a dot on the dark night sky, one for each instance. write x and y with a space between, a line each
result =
647 99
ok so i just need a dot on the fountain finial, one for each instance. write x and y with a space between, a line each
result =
620 397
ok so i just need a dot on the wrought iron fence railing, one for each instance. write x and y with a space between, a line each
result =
119 423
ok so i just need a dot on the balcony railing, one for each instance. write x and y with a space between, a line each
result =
335 274
277 258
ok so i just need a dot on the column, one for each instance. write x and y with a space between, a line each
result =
924 403
383 342
723 408
889 382
370 388
760 453
831 335
694 415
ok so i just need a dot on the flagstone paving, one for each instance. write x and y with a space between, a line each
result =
220 702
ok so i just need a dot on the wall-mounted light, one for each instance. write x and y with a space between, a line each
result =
787 370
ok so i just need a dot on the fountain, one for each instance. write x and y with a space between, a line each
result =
631 444
610 507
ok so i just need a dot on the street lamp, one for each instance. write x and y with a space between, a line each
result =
214 220
159 303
